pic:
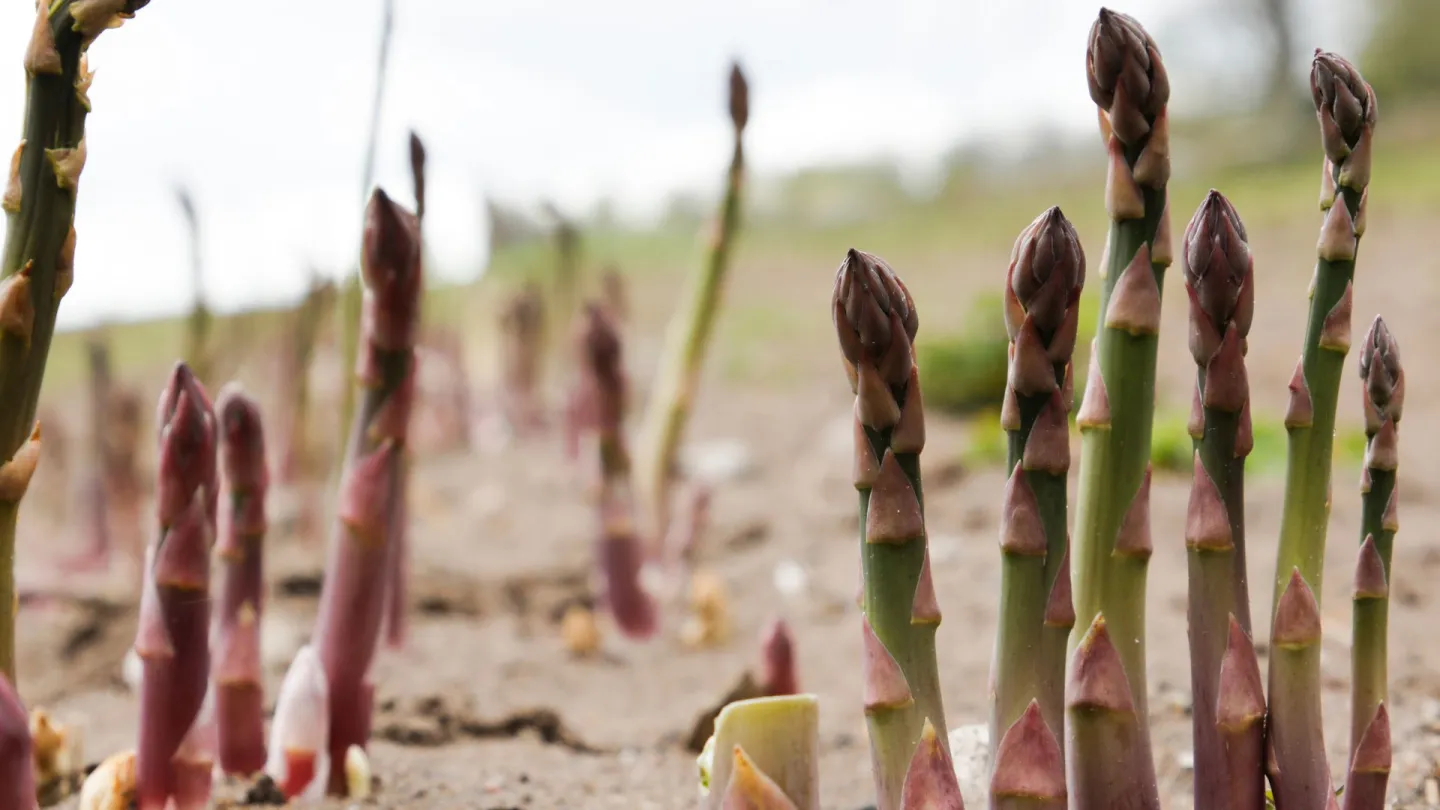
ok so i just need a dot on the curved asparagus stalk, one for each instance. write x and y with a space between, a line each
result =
780 738
688 335
1384 400
1345 107
352 602
173 638
875 321
1042 308
1219 281
239 692
17 773
38 262
620 552
1112 545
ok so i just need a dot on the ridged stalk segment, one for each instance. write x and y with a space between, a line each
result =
1110 766
875 321
240 550
37 265
1042 309
1112 546
688 336
1219 282
362 551
1346 110
173 637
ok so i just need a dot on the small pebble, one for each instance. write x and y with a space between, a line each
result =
790 578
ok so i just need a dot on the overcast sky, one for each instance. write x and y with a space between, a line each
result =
263 108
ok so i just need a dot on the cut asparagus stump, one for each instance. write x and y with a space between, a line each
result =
1384 400
173 638
780 738
1042 306
875 321
1112 546
352 601
620 555
688 335
239 696
1219 282
38 261
1346 110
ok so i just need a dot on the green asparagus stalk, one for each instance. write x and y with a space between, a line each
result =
781 739
1345 107
1384 399
1219 281
1112 545
38 263
875 321
688 335
197 350
565 291
1042 307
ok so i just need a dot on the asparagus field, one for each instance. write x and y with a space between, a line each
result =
481 598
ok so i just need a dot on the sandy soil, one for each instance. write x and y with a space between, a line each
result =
484 708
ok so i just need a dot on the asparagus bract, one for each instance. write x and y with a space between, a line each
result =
299 755
1029 771
362 550
781 739
1219 281
1346 110
1112 545
37 265
239 694
688 334
1110 764
17 771
1042 307
620 553
1384 400
876 322
173 638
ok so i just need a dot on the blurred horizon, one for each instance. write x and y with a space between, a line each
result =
612 112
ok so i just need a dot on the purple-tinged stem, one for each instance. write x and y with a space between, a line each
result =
1299 777
1029 769
1369 774
173 639
239 694
17 775
777 660
1240 719
1103 721
362 552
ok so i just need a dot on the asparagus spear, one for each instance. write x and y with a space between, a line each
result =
1219 281
1042 308
38 261
361 553
172 640
1112 546
620 552
1384 399
522 328
298 462
17 774
1345 107
777 660
239 693
197 350
688 334
875 321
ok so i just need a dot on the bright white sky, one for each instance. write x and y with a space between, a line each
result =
263 108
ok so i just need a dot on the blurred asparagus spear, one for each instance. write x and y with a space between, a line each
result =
298 461
1042 307
17 771
688 335
362 550
1345 107
197 349
1106 694
38 262
1220 284
239 692
173 639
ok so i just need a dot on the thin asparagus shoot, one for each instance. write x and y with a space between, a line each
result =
688 336
197 348
1112 547
1346 110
